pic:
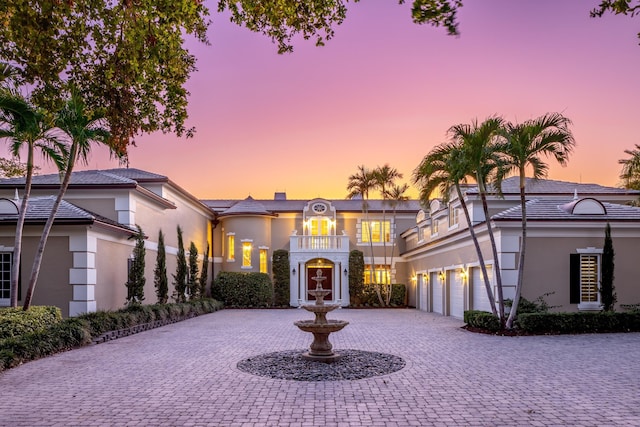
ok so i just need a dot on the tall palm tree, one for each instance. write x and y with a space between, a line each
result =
385 177
360 185
79 129
443 168
524 147
630 174
395 195
22 124
478 142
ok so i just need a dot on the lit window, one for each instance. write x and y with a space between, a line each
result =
585 279
319 226
379 231
246 254
382 274
589 278
263 260
453 216
231 244
434 227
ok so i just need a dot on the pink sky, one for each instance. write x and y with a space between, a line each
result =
385 90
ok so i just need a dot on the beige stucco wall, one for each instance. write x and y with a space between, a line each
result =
257 229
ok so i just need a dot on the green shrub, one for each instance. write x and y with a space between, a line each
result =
482 320
16 321
356 278
244 290
78 331
539 305
578 322
369 297
631 307
280 269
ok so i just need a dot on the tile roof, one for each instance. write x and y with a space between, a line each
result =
511 185
39 208
275 206
248 206
555 210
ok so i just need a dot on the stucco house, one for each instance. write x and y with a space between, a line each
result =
565 237
85 263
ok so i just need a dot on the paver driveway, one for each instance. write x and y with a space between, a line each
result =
185 374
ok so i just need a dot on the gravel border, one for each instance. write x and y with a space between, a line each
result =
290 365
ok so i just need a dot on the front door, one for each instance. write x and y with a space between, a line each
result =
326 283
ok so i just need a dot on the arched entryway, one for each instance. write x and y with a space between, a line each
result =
327 269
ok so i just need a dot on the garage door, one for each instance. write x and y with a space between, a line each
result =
423 286
480 298
456 293
436 287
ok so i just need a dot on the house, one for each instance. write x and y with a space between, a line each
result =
86 260
565 237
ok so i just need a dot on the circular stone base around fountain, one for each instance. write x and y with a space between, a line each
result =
352 365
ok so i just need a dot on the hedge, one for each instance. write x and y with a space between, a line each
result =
579 322
369 296
86 329
16 321
243 290
482 320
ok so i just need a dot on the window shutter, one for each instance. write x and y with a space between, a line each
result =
574 278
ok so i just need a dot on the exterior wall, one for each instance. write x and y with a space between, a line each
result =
101 205
547 268
257 230
111 268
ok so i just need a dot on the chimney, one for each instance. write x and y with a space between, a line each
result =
280 195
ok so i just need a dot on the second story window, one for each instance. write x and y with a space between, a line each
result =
453 216
434 227
376 231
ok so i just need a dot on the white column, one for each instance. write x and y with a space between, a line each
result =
83 274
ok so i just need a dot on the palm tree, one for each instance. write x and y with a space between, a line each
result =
385 177
443 168
80 128
395 195
21 123
478 143
359 185
630 174
523 147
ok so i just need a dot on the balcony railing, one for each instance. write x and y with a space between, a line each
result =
319 243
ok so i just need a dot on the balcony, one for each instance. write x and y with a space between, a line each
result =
319 243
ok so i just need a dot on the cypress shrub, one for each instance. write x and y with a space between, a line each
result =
193 285
136 280
180 278
281 283
160 272
204 273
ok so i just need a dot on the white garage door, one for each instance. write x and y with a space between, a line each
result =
423 286
436 287
456 293
480 298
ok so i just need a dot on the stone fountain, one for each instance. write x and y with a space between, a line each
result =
321 348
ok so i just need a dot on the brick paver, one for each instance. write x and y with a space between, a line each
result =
184 374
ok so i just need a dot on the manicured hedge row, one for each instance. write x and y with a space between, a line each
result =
15 321
579 322
243 290
83 330
482 320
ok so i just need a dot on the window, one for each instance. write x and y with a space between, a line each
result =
263 260
5 276
379 231
434 227
319 226
246 254
453 216
231 246
585 279
382 274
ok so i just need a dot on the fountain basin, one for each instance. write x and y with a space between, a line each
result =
326 328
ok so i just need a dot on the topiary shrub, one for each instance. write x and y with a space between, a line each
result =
244 290
356 278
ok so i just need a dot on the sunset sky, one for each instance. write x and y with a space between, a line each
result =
385 90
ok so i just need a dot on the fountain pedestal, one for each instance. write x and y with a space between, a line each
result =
321 328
